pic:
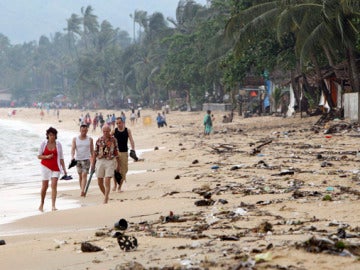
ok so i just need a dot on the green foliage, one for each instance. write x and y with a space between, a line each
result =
340 245
207 51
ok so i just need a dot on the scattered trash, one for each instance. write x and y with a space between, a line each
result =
171 218
229 238
2 242
121 225
318 245
326 164
287 172
263 257
236 167
264 227
204 202
222 201
215 167
88 247
240 212
126 243
257 149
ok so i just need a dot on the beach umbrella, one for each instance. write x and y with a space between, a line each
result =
59 97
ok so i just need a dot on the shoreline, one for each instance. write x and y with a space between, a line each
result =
217 236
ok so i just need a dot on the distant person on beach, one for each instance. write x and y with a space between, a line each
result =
207 123
41 114
101 120
82 150
95 121
123 135
123 116
164 119
132 117
52 164
160 120
138 113
105 153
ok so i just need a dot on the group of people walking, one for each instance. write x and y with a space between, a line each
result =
108 155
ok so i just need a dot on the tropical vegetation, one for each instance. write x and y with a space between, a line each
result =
203 54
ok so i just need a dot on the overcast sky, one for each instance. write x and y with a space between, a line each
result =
26 20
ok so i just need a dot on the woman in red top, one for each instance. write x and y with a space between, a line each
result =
52 164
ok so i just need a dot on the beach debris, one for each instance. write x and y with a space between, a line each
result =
326 164
339 127
126 242
2 242
262 164
263 257
203 189
240 211
257 149
222 201
207 195
264 227
101 234
236 167
170 193
284 172
204 202
177 177
223 147
156 148
121 225
327 197
88 247
229 238
195 161
171 218
130 266
215 167
246 263
326 245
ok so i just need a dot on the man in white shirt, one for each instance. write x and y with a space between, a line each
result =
83 147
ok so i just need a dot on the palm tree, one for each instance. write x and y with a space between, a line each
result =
73 27
318 26
91 26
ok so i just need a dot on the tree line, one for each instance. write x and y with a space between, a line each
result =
200 55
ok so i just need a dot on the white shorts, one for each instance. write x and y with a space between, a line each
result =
105 167
47 174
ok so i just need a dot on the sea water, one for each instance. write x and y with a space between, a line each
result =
20 177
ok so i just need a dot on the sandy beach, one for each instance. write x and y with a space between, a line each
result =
252 195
